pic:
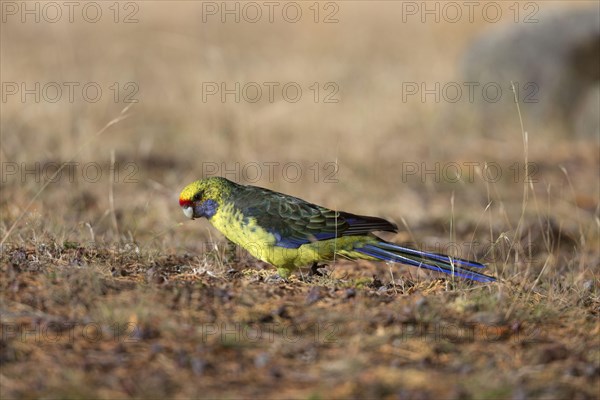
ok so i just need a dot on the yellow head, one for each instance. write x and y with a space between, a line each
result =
202 198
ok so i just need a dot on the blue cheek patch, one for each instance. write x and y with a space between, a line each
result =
207 209
210 208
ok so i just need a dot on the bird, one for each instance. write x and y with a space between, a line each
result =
288 232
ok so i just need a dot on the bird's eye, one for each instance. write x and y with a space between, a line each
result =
197 196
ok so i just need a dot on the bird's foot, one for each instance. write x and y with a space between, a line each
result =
315 270
275 279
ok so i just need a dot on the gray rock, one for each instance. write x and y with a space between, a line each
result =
555 63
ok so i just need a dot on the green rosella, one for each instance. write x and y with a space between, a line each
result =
289 232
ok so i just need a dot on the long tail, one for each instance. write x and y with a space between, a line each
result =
386 251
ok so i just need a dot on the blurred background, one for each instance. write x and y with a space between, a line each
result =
403 110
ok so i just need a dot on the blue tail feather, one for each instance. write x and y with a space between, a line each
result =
436 262
431 256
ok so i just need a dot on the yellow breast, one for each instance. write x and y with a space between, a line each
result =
244 232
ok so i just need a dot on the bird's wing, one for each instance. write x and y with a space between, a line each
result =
295 222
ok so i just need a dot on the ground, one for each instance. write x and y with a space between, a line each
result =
107 291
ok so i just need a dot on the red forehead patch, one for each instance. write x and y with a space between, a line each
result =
184 202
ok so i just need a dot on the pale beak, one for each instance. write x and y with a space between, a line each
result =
188 211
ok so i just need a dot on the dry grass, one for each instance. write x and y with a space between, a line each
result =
106 291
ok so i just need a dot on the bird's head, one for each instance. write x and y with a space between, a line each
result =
203 198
